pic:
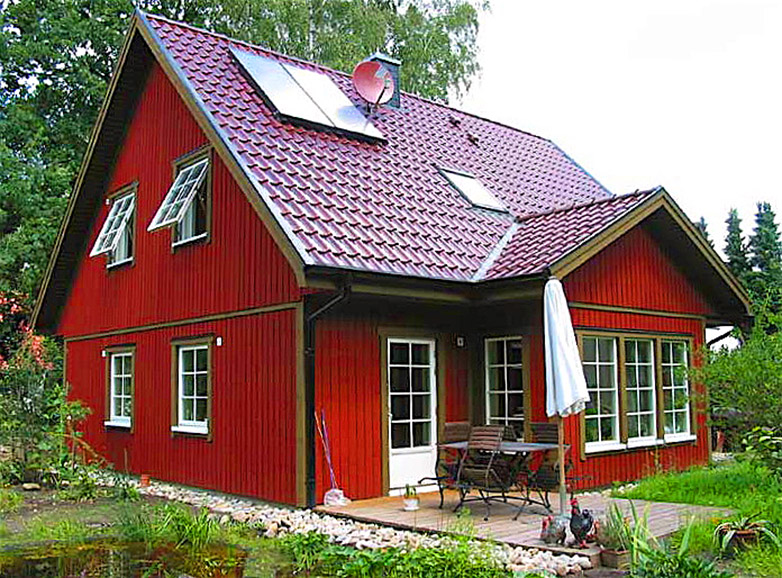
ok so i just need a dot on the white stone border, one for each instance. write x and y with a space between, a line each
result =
279 521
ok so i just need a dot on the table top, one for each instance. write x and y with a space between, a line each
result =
509 447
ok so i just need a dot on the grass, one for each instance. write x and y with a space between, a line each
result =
744 487
9 501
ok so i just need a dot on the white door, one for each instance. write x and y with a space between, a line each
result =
412 412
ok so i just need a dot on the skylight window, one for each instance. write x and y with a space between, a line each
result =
473 190
180 195
114 226
299 94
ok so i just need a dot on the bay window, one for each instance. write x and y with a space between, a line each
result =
638 388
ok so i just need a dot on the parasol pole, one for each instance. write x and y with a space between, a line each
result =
562 486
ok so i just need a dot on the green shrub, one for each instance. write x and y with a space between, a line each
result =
763 445
651 560
9 501
463 558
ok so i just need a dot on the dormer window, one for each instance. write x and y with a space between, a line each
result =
115 239
473 190
185 207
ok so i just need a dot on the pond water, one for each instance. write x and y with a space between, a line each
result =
117 560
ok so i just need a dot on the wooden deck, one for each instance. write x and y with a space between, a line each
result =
664 518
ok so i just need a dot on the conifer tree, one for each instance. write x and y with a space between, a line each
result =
736 246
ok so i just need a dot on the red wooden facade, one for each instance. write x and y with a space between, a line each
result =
239 269
255 445
633 272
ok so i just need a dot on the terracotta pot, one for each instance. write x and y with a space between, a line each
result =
615 559
144 481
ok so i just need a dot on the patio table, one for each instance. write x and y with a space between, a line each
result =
524 449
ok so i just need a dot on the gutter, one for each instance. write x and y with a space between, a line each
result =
310 320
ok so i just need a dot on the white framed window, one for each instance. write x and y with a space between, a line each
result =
120 388
189 179
473 190
641 392
116 235
194 223
193 368
676 390
602 413
505 383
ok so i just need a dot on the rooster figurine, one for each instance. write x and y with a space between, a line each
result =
554 530
581 522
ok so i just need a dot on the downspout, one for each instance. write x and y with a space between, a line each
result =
309 384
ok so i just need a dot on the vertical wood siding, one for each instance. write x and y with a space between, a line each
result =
348 390
635 271
253 446
240 268
634 464
457 375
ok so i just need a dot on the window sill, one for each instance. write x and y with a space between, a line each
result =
117 423
190 429
600 447
644 443
680 438
119 264
190 240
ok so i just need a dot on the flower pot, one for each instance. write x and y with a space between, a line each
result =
615 559
144 481
411 504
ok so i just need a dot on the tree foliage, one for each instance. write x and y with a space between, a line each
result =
57 56
736 246
748 380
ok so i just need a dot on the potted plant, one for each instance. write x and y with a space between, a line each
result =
411 498
614 537
742 532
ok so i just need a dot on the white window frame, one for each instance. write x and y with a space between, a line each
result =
117 418
431 365
636 441
472 189
193 426
123 207
601 444
671 368
188 181
488 367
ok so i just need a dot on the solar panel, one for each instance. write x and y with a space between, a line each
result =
474 190
114 225
180 195
333 102
280 88
301 94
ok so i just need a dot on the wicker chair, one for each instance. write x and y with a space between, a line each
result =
485 470
448 459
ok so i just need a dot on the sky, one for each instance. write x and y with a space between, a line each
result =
681 93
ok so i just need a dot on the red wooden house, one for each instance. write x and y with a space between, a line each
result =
247 244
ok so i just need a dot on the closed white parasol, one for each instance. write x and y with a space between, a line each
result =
566 389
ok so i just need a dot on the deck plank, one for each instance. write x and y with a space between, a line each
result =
663 518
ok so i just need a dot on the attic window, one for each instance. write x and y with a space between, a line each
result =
114 226
180 196
473 190
303 95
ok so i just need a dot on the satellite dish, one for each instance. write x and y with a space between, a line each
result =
373 82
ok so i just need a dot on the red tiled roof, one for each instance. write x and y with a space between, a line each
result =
384 207
539 240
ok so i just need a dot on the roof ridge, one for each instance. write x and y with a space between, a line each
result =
345 74
573 207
